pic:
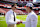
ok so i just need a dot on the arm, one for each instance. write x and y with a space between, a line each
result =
27 19
23 22
17 19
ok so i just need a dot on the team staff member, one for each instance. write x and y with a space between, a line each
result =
11 17
31 20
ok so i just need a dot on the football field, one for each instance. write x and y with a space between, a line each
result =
20 17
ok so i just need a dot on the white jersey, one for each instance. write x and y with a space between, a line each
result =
31 20
10 17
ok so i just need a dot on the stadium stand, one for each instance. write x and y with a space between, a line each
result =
24 11
36 11
6 9
2 11
39 12
19 12
7 5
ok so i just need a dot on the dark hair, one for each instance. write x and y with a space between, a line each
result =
31 8
13 4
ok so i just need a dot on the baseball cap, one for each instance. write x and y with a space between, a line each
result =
29 4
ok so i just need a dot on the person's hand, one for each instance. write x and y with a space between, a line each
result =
21 21
18 22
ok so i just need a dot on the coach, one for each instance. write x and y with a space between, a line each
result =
11 17
31 20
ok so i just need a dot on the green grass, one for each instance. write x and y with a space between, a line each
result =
21 17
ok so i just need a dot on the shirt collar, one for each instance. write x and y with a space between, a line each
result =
31 12
11 10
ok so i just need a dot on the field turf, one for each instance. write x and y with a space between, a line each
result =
20 17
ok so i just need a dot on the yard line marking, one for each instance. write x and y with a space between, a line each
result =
2 20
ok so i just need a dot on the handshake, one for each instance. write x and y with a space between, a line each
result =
19 22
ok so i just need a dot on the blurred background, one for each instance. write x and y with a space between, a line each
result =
5 6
